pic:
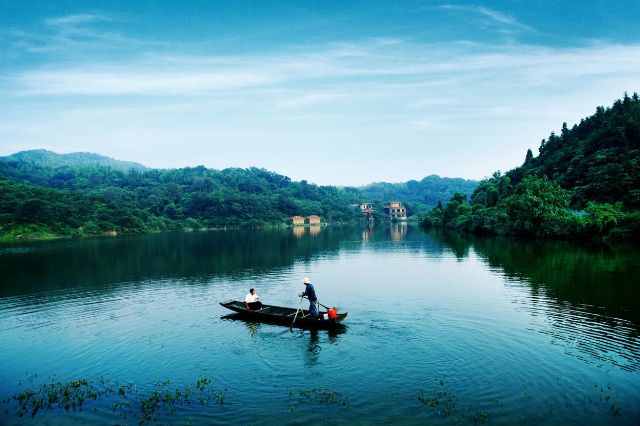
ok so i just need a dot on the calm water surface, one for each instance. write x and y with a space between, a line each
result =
483 329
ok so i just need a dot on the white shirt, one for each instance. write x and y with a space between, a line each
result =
250 298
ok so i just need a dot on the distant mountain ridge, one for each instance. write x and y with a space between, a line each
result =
47 195
428 191
44 158
424 193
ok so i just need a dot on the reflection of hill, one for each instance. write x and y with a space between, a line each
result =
581 275
589 295
91 263
68 264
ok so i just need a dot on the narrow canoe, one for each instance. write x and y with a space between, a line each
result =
284 316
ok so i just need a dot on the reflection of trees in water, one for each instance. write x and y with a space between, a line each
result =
192 256
458 243
588 293
105 262
602 276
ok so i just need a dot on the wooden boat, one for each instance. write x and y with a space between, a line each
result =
284 316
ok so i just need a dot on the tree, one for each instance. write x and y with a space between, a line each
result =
536 206
528 157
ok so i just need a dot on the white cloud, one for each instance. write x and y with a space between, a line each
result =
494 16
74 36
75 20
318 74
459 108
103 83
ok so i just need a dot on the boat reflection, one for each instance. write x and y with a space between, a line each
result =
254 326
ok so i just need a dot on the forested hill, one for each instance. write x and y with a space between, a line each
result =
44 158
597 159
43 194
104 199
427 192
585 181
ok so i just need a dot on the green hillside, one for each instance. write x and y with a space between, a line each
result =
585 182
30 211
596 160
161 199
47 194
44 158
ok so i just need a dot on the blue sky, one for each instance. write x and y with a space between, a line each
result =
339 93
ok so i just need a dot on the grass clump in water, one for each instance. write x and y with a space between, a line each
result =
126 400
69 396
444 403
318 396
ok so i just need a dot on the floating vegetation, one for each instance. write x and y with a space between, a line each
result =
605 400
443 402
125 400
477 416
318 396
126 403
69 396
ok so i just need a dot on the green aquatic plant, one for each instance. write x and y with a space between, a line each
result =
441 400
318 396
477 416
69 396
127 401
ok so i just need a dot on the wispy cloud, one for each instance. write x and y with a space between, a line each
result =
134 82
74 35
76 20
305 99
476 100
368 65
492 15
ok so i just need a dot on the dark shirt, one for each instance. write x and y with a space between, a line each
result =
310 292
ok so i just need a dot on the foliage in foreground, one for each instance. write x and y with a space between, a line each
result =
125 400
107 399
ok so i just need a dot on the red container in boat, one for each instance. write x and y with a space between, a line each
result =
332 312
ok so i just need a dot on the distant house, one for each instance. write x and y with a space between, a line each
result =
297 220
365 208
312 220
395 210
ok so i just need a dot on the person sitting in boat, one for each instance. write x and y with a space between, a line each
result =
251 301
310 293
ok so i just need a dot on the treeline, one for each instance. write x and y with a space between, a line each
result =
89 200
584 182
44 158
30 211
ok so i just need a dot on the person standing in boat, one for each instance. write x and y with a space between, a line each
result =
251 300
310 293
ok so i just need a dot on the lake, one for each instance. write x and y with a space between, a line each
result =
442 329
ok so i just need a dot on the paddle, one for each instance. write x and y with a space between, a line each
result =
296 315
